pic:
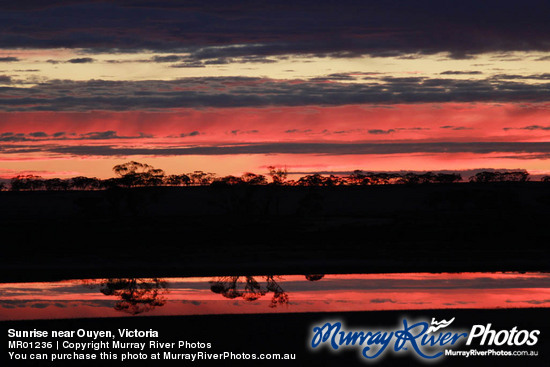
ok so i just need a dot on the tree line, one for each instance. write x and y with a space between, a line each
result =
136 174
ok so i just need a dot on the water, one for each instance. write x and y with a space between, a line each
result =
98 298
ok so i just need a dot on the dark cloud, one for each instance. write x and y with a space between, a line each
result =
381 132
532 301
194 64
455 72
40 305
42 136
192 133
410 57
255 59
239 60
535 148
222 92
38 134
412 128
193 61
294 131
457 128
243 132
218 61
344 28
530 127
402 80
335 76
12 137
110 134
100 135
539 156
4 79
359 131
351 131
169 58
382 300
545 76
81 60
9 59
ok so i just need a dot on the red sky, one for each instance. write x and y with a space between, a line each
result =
305 92
49 136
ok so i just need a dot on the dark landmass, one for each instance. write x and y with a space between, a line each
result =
178 231
291 333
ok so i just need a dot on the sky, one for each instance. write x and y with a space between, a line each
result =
236 86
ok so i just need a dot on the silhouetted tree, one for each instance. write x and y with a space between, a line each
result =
448 178
154 177
227 181
410 178
545 179
334 181
314 277
231 287
26 182
489 176
485 176
311 180
138 174
515 176
356 178
56 184
35 182
200 178
278 175
428 177
2 186
84 183
110 183
133 174
253 179
319 180
383 178
131 168
177 180
280 297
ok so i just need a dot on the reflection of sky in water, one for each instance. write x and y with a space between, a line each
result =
266 294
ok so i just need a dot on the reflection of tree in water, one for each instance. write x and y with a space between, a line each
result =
314 277
136 295
250 289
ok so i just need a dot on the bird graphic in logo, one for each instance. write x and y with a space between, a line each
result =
439 325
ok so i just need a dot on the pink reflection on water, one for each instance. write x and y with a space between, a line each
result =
292 293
